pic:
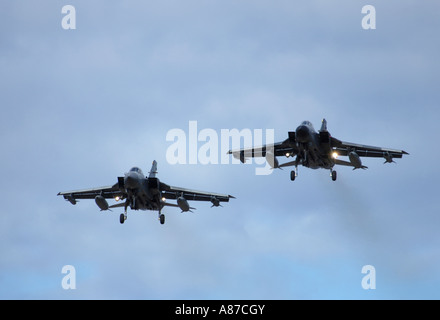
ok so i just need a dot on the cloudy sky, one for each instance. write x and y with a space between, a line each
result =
80 107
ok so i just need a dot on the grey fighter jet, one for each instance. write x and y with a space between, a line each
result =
316 150
144 193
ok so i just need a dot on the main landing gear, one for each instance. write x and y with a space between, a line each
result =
333 175
161 218
123 217
294 174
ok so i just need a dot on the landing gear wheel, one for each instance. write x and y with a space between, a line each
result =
292 175
334 175
122 218
162 219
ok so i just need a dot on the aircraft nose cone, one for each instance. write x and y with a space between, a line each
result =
130 181
302 133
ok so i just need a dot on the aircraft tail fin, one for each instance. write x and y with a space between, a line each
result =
324 125
153 170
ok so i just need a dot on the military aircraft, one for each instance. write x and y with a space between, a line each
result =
144 193
316 150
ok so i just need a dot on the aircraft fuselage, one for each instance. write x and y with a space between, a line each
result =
143 193
314 151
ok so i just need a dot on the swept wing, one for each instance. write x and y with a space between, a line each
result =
107 192
277 149
171 192
344 148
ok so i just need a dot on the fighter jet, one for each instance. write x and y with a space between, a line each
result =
144 193
316 150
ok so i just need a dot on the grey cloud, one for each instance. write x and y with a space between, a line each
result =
81 107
